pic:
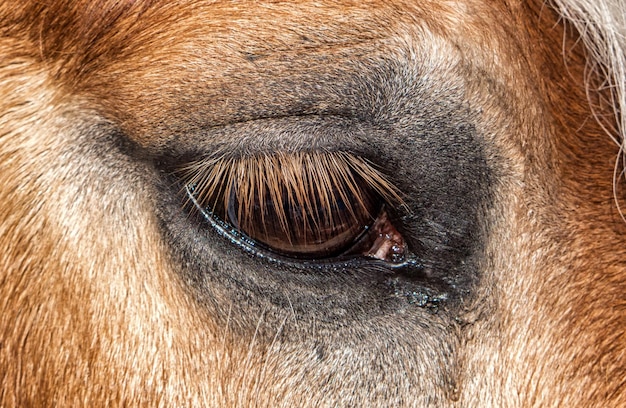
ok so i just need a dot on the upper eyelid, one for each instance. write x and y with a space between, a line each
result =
307 132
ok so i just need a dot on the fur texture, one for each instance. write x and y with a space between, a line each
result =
488 131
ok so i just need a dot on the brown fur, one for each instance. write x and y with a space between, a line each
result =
94 310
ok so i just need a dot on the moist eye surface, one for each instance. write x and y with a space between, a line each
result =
306 205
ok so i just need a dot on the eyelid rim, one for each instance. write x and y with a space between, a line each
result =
249 246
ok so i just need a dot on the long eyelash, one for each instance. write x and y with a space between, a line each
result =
310 181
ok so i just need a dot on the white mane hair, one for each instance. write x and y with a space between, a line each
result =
602 27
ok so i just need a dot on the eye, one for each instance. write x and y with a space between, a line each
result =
308 206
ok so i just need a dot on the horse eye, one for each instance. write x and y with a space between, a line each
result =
314 206
308 226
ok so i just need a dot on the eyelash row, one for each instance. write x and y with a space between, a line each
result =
308 199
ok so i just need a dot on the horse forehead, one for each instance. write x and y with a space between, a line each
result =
104 31
134 55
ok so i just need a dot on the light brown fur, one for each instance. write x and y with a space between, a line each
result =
94 308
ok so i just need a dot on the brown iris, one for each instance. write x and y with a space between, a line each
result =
302 205
315 229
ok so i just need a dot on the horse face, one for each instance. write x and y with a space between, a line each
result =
294 204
